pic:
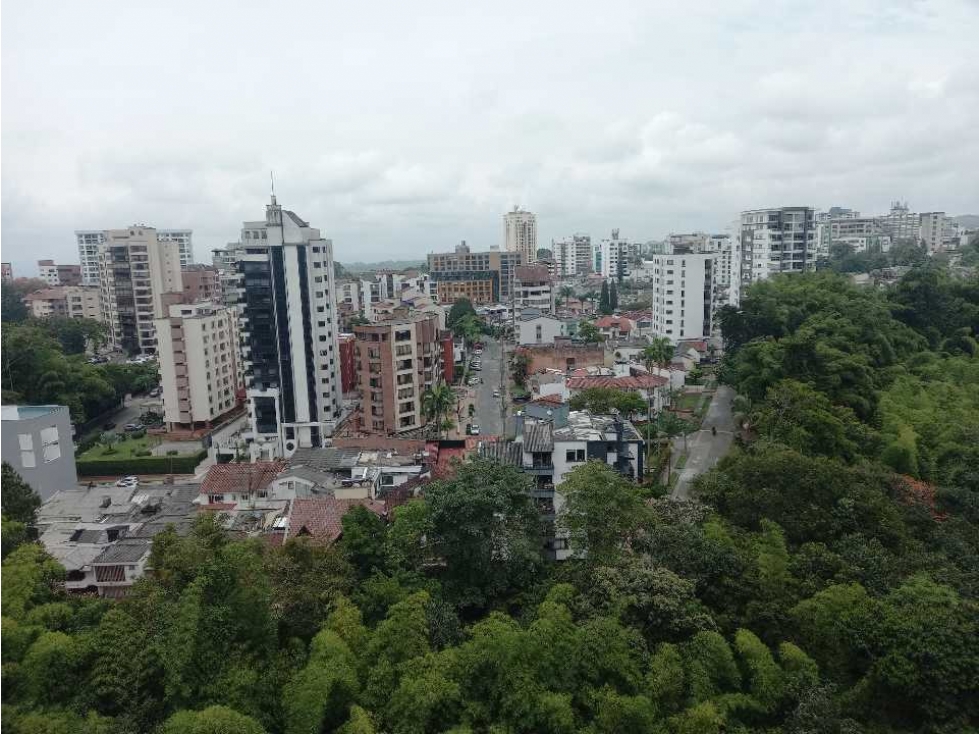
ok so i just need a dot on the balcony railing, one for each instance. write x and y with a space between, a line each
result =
539 467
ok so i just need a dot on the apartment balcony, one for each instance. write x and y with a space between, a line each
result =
539 467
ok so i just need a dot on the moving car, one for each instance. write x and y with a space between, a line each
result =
496 393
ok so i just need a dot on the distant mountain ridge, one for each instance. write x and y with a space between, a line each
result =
359 267
969 221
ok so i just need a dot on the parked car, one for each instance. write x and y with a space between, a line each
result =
474 430
496 393
130 481
108 425
155 392
131 427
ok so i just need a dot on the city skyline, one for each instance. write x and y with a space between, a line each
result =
648 126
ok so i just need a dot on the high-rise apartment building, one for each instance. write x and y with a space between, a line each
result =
288 334
88 253
534 288
139 277
397 361
201 283
185 242
683 295
199 363
612 257
482 277
933 231
861 234
573 256
777 241
88 241
520 234
225 261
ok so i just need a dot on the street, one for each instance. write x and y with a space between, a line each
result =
706 449
488 407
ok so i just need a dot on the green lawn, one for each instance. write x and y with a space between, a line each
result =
121 450
688 401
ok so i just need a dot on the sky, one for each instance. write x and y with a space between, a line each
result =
399 129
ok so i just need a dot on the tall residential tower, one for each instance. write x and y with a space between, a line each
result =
520 234
289 337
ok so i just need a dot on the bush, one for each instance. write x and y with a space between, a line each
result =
138 434
144 465
173 452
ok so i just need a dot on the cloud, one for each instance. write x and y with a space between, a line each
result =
396 137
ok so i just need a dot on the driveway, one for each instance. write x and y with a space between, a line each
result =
706 449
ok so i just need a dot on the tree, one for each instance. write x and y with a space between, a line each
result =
485 529
565 293
460 308
605 300
14 310
363 539
602 511
589 333
20 501
520 367
437 401
604 400
212 720
613 296
75 335
658 354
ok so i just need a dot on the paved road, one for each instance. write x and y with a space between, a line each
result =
488 407
706 449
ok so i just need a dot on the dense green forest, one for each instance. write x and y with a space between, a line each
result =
825 581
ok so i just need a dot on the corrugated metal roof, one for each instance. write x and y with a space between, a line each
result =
537 437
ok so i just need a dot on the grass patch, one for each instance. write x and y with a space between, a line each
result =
688 401
125 449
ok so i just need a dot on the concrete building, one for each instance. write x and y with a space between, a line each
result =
933 231
533 288
397 361
225 261
199 364
683 295
37 443
861 234
185 242
54 274
6 272
612 257
201 283
348 362
482 277
901 223
88 241
73 302
777 241
536 327
289 338
139 277
573 256
520 234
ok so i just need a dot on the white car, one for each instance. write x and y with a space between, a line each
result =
130 481
474 430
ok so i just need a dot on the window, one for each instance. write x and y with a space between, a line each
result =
50 448
27 450
574 455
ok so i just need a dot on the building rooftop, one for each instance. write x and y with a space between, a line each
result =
619 322
320 518
630 382
584 426
27 412
223 478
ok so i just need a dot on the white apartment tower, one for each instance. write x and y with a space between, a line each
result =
200 366
683 295
777 241
520 234
184 240
611 257
933 231
139 277
573 256
289 339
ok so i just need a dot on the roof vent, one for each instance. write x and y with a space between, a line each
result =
106 501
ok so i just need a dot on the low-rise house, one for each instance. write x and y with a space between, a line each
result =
37 443
241 484
563 355
533 287
652 388
615 327
320 518
347 473
103 535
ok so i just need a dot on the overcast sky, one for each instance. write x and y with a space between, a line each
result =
399 128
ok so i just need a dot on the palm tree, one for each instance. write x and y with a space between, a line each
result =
565 293
436 403
659 353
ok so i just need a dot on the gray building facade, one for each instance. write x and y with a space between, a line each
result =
37 443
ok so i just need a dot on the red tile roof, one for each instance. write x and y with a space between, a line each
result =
614 322
223 478
549 399
637 315
636 382
319 517
699 344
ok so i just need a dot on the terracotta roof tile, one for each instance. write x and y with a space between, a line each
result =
320 517
636 382
617 322
223 478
